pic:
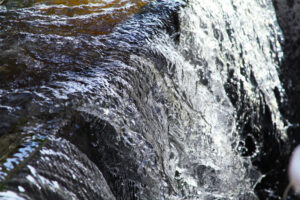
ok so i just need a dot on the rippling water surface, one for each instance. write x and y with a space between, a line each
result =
136 99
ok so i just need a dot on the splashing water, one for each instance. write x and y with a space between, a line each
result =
172 103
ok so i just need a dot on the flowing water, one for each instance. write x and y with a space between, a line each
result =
137 99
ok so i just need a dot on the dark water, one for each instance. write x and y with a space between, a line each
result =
146 99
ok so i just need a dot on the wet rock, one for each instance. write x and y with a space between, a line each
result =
59 171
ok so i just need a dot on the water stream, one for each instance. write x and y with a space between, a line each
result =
137 99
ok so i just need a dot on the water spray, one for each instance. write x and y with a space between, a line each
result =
294 173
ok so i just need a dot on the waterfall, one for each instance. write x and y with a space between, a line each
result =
170 100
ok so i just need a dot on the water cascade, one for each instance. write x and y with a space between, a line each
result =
137 99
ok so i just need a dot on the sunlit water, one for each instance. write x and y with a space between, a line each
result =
169 103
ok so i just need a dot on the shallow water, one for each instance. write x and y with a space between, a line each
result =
118 100
70 18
